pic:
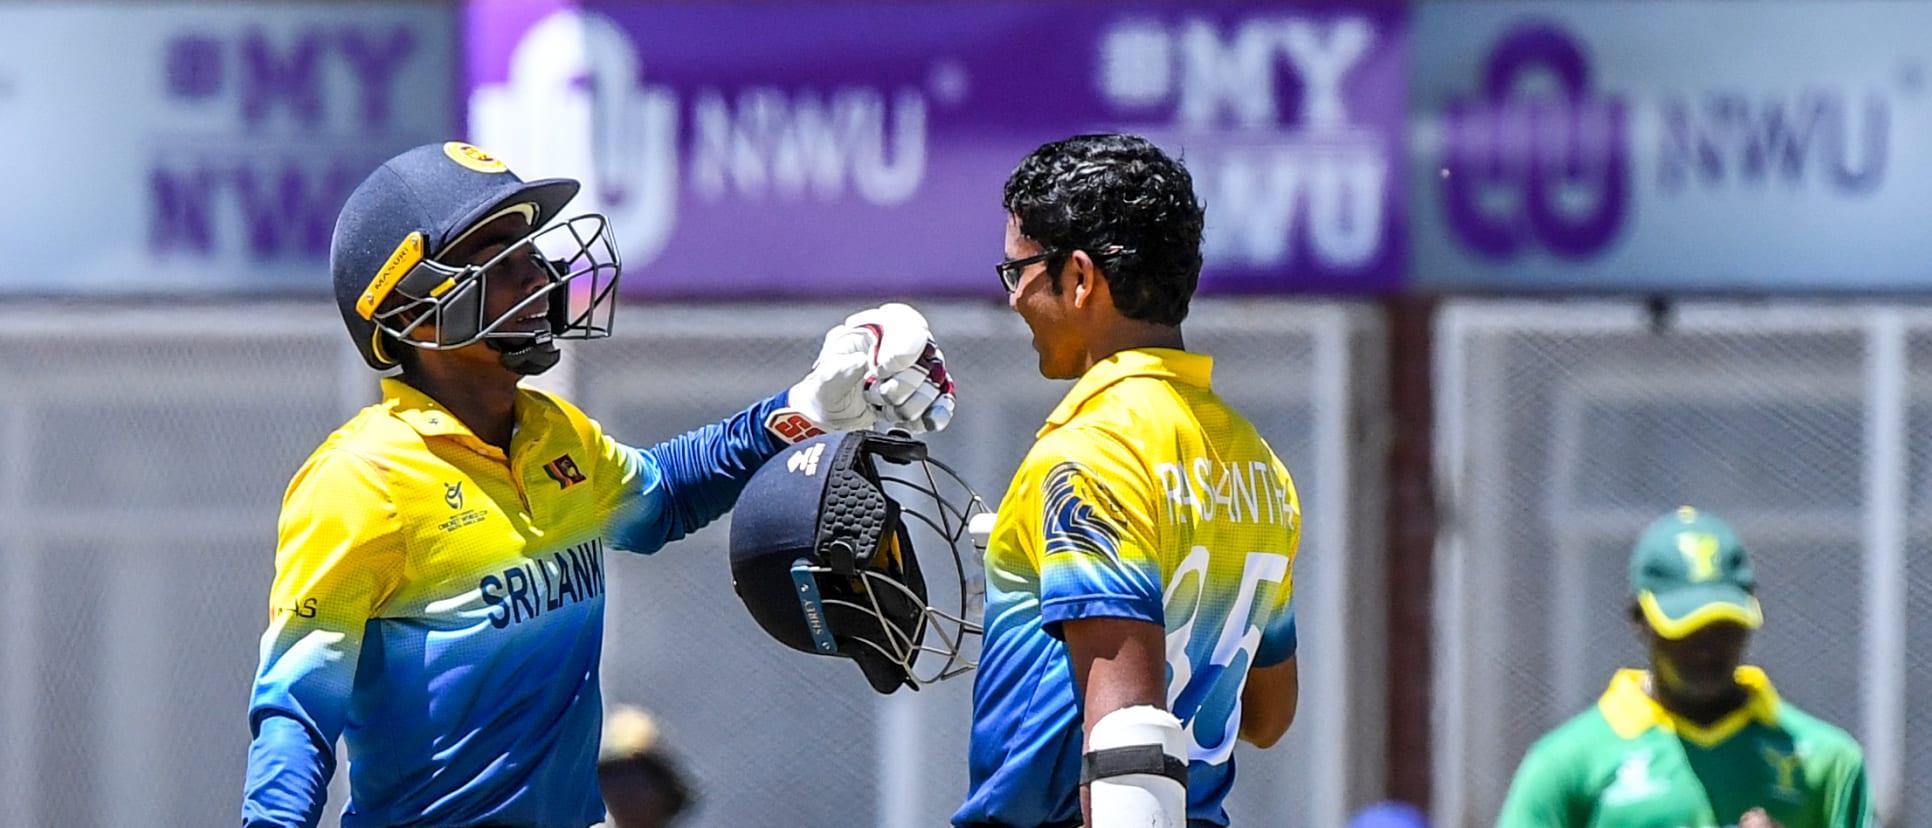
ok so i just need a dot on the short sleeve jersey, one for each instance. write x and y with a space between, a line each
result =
1145 497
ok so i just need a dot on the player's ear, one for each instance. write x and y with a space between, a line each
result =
1088 285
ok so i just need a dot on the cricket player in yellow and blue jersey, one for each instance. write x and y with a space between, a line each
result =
441 562
1140 567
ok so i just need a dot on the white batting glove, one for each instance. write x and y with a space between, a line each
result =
919 398
880 366
909 387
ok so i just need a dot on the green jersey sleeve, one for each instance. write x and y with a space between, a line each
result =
1848 804
1544 792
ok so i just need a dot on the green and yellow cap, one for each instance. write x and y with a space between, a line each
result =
1688 570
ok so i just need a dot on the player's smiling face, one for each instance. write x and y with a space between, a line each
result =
510 281
1046 310
506 284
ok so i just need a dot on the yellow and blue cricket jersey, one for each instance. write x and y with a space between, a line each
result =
1145 497
440 603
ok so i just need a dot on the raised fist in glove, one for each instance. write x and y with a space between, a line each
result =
881 366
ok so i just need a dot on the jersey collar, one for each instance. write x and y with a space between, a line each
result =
1631 711
1162 363
430 419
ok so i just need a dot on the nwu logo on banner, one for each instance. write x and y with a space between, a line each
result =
1539 158
1544 169
1273 169
1818 136
575 104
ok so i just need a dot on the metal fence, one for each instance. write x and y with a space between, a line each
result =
1563 428
143 454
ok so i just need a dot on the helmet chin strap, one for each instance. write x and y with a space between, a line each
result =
526 355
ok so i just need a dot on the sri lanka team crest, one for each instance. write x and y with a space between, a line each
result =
564 470
474 158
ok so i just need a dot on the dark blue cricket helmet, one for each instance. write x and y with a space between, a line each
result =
823 555
393 289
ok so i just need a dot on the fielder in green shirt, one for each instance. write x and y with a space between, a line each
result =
1698 741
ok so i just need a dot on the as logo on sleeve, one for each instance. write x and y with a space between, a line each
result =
453 494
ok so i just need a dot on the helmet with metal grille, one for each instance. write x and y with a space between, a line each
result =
855 545
395 287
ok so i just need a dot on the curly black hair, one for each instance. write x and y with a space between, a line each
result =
1092 192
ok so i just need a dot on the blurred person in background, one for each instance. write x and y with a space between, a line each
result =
644 785
1697 740
1139 569
439 586
1390 814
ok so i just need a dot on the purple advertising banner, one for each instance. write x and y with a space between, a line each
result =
1690 146
812 149
190 148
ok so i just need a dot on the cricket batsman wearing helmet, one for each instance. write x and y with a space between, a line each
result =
439 572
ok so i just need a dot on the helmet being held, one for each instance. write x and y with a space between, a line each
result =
394 290
823 555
